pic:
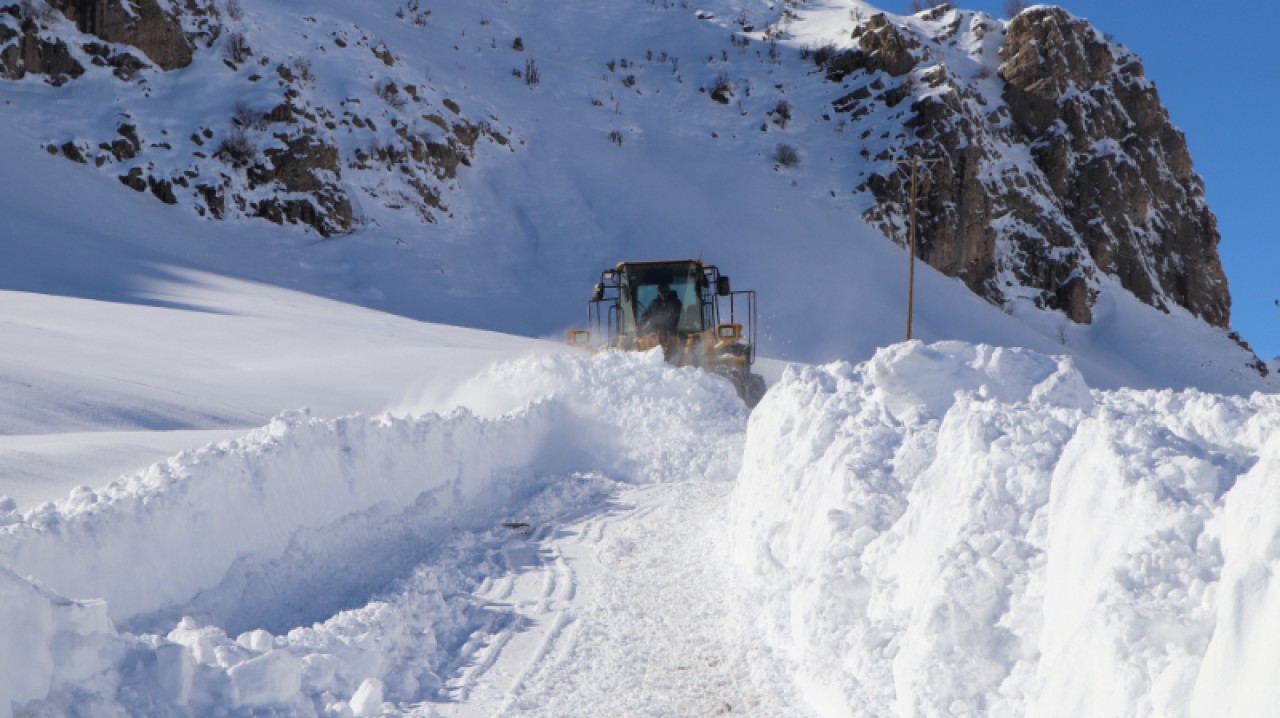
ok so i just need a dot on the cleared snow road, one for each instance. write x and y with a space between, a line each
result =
629 611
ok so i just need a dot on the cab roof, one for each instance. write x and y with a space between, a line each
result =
620 265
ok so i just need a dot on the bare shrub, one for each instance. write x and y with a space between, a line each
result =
615 136
629 81
781 113
390 94
234 10
721 85
922 5
237 49
532 76
301 68
518 44
242 115
1013 7
786 156
824 55
236 149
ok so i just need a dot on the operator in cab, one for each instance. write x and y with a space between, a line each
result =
663 313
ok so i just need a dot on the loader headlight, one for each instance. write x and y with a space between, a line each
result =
729 332
578 337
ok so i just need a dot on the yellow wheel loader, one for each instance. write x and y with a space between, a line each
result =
679 305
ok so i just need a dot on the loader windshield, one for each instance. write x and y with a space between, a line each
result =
661 297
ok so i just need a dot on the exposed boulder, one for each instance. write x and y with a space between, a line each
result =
167 34
882 47
26 47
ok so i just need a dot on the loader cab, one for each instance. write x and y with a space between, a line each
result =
640 289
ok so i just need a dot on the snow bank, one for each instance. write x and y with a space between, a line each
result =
645 419
300 485
963 530
309 516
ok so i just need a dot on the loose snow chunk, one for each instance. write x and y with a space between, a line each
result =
258 640
273 678
368 698
200 640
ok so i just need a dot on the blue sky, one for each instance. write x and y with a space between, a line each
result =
1214 66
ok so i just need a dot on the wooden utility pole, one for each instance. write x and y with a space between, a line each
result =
911 251
911 262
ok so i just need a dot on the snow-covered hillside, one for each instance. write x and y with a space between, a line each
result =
617 152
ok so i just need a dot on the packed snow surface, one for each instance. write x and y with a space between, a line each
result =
948 528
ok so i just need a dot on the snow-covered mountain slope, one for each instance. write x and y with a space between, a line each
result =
618 151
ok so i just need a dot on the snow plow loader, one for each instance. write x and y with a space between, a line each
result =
684 306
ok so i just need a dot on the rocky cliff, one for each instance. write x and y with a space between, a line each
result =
1052 159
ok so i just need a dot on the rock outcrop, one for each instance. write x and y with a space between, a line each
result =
166 33
1057 167
294 159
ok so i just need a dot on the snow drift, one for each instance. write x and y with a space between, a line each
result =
965 530
306 517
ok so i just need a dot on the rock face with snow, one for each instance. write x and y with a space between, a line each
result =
1055 160
291 150
166 34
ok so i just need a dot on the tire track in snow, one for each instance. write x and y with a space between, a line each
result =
625 612
537 595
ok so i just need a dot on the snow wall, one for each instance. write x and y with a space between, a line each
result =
963 530
307 518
